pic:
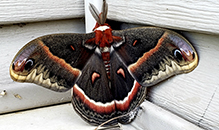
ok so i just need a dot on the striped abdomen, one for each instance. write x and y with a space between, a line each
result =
105 52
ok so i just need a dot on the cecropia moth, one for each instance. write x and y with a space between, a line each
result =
108 70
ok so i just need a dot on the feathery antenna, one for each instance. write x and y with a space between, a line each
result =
99 17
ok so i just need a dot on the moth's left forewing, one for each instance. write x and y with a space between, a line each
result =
52 61
154 54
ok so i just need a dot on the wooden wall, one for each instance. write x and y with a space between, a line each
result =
193 96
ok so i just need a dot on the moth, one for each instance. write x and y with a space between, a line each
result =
108 70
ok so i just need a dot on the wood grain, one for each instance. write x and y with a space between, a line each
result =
193 96
189 15
22 11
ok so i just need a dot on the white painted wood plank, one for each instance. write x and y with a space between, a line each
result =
184 15
63 117
190 15
152 117
16 11
22 96
194 96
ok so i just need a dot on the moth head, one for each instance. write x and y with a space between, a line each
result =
24 62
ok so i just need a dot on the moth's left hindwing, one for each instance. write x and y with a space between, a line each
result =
53 61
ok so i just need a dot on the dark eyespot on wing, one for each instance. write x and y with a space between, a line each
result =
177 54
